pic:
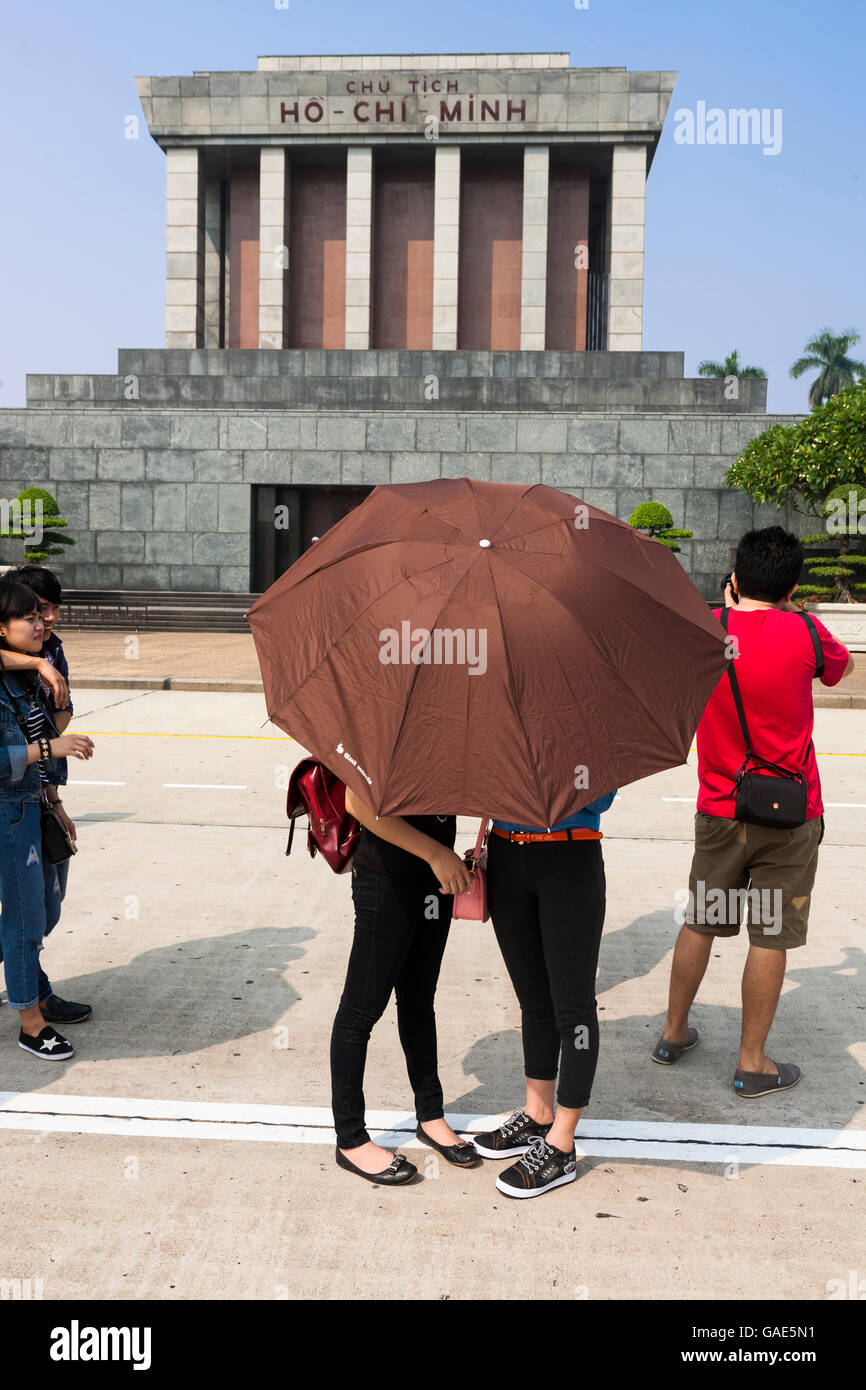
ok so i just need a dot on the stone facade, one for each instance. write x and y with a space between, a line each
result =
158 488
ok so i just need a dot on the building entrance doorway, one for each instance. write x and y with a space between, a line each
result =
286 520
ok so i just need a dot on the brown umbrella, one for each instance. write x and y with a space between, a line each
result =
486 649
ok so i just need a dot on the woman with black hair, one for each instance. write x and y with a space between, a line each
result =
29 885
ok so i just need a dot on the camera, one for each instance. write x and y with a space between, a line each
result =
725 582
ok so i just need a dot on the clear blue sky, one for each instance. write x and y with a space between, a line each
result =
743 250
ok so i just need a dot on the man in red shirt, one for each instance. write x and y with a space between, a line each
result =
737 861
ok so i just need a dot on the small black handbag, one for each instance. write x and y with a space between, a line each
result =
57 844
776 797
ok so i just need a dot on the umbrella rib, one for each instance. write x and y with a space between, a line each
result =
360 614
542 801
508 516
598 564
445 601
554 520
605 657
364 546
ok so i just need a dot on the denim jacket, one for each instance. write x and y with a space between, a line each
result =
20 781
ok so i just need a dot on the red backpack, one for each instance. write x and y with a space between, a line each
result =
315 792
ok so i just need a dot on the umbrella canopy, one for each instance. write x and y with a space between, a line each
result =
486 649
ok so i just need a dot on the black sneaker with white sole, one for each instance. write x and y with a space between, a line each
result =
49 1045
541 1168
56 1010
513 1136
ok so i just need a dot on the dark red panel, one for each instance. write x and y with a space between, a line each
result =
403 257
491 253
244 258
317 256
567 230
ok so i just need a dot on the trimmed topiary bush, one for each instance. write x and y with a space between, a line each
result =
36 502
655 519
843 568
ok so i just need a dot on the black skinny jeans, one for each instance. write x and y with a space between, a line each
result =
547 902
396 948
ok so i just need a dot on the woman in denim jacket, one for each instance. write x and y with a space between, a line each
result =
29 770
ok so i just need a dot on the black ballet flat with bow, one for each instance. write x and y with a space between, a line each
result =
462 1155
400 1170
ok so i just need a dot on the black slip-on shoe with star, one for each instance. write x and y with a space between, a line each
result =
56 1010
513 1136
49 1046
541 1168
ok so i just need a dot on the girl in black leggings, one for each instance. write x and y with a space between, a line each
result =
546 891
403 877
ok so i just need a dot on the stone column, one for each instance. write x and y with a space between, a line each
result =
212 257
627 212
446 246
533 285
273 248
359 241
184 249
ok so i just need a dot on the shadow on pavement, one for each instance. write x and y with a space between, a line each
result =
817 1024
177 999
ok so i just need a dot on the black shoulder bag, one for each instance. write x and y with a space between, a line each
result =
776 797
57 844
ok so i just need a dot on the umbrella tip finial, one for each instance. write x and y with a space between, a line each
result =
484 543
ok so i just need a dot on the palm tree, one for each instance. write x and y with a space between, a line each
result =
730 367
836 370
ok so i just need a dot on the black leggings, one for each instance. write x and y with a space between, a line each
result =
547 903
398 947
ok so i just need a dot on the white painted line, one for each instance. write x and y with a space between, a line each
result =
76 782
207 786
285 1124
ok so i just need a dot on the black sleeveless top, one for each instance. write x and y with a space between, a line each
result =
384 858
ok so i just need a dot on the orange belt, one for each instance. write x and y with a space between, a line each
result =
524 837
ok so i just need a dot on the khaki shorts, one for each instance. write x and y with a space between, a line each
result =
770 871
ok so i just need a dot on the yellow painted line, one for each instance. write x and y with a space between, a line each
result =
286 738
820 755
238 738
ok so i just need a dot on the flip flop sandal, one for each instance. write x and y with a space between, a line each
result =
757 1083
669 1052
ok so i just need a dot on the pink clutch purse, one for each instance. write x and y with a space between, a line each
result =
471 906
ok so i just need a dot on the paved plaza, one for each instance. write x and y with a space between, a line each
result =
186 1153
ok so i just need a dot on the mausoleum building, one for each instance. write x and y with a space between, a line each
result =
384 269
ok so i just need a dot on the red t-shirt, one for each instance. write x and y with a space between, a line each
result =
775 669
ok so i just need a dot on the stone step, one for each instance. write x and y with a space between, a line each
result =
395 362
432 393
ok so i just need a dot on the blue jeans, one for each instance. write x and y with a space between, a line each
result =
30 898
